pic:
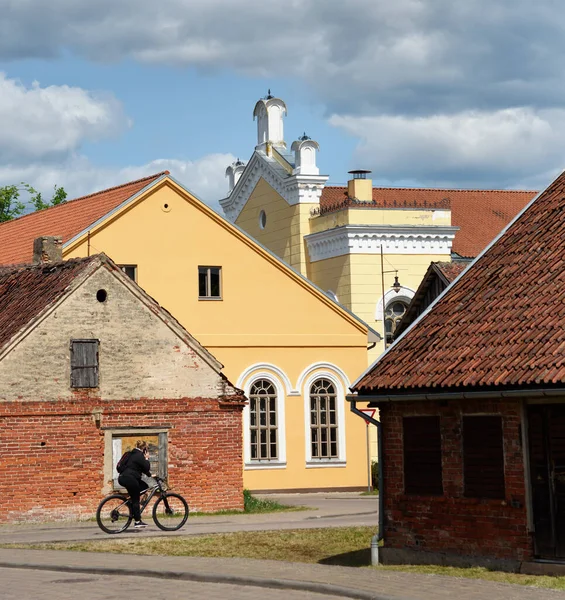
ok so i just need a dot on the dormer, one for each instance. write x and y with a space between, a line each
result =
233 173
305 156
269 112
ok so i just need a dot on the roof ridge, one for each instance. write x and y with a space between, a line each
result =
430 189
105 191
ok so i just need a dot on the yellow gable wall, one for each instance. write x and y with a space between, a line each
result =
265 315
285 226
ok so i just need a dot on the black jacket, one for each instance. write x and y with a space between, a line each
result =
137 464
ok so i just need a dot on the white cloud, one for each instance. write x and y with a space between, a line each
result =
52 122
505 147
204 177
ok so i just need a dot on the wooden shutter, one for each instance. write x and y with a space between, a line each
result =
422 456
483 457
84 363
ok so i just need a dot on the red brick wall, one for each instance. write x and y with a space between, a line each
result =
453 523
52 454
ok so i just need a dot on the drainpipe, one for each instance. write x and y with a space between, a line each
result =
380 535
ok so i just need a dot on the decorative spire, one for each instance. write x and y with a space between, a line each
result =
304 137
268 96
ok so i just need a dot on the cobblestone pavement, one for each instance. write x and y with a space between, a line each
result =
18 584
267 577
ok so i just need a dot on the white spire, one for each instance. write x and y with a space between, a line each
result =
305 156
269 112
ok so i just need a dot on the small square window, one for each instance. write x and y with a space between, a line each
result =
84 363
158 448
209 283
130 271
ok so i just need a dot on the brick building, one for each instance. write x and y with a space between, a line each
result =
89 363
472 407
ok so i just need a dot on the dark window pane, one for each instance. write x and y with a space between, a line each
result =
483 457
215 283
422 456
202 279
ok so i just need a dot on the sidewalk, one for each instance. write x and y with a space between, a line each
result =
345 582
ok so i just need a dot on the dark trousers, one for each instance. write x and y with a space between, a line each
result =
134 487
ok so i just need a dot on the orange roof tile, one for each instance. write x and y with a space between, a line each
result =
67 219
480 214
500 325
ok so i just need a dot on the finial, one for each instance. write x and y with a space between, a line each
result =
304 137
268 96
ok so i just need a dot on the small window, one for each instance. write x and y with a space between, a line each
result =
209 285
394 312
422 456
323 420
157 444
84 363
130 271
483 457
263 420
262 219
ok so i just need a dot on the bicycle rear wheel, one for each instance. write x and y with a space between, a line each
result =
170 512
114 514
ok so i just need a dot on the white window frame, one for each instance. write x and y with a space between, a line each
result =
340 461
280 463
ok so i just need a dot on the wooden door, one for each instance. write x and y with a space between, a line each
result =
546 426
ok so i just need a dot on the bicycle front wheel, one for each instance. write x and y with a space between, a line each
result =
170 512
114 514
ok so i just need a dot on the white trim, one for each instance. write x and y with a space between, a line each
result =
280 463
368 239
241 382
335 376
314 367
404 294
295 189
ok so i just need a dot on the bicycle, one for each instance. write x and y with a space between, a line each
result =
170 511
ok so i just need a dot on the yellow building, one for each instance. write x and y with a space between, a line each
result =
290 347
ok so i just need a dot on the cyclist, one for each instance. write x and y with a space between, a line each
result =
130 478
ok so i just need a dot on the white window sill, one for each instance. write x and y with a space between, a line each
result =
325 463
262 465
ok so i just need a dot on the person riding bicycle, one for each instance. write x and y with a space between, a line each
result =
130 478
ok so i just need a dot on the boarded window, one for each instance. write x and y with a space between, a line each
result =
422 456
84 363
209 282
157 444
483 457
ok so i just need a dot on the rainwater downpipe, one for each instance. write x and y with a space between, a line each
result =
380 535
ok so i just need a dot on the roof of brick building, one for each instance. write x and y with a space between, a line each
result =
67 219
500 325
480 214
27 290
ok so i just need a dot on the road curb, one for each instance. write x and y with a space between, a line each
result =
281 584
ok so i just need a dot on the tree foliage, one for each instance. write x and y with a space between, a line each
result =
12 206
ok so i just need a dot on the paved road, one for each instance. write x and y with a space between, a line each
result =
51 585
326 510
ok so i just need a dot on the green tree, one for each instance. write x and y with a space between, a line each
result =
11 206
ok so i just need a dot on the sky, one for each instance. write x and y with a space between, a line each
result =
425 93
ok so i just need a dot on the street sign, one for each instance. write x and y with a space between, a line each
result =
370 412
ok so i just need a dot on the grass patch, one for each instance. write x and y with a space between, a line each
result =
253 505
541 581
346 546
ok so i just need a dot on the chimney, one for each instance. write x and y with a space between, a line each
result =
360 187
47 248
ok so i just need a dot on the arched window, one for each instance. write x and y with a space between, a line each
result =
394 312
263 433
323 420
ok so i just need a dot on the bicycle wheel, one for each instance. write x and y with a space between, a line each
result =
170 512
114 514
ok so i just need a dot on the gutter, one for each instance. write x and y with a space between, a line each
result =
380 535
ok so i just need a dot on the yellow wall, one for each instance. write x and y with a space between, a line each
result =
267 314
286 225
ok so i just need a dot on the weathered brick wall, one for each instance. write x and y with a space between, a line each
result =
452 523
52 453
140 355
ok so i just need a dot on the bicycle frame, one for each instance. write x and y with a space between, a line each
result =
149 493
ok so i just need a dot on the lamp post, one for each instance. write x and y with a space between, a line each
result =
395 286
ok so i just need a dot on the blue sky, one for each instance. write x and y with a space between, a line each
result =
423 92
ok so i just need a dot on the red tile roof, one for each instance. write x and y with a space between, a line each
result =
450 270
26 290
501 325
66 220
480 214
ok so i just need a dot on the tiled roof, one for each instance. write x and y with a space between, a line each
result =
501 325
26 290
450 270
480 214
66 220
